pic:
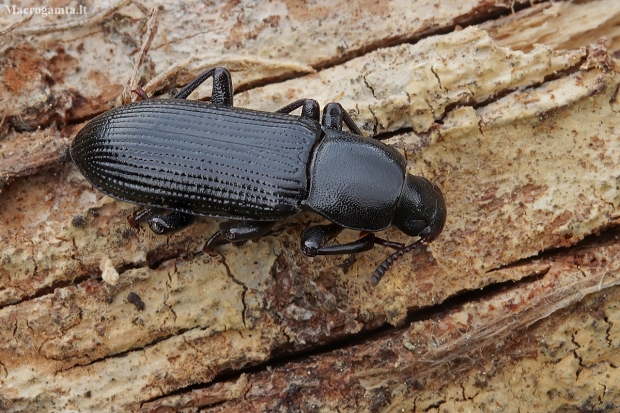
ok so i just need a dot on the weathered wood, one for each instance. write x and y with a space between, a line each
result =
523 143
471 355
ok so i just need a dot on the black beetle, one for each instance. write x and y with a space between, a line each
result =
182 158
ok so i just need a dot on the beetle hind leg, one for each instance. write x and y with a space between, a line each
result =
309 108
140 216
222 86
167 223
141 93
237 231
161 221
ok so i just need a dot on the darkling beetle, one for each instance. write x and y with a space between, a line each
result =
181 158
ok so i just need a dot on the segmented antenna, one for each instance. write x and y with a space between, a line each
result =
385 265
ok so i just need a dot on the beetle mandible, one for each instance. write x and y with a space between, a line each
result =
181 158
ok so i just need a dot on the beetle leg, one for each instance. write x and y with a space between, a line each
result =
236 231
309 108
138 217
315 237
363 244
166 223
386 243
334 115
140 92
222 93
142 214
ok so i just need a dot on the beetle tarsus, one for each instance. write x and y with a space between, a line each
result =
212 242
140 92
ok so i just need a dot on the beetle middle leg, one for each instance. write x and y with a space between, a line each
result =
334 116
314 238
236 231
160 221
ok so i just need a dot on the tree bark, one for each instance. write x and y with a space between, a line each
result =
513 308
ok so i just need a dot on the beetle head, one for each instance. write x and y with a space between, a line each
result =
421 209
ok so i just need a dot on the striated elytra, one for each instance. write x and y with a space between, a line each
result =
180 158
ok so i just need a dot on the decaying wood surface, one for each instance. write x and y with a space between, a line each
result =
513 308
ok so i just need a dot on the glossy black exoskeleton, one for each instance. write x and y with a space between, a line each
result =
182 158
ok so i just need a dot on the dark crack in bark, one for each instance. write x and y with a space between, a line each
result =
236 281
577 356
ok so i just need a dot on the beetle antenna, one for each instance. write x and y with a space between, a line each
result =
385 265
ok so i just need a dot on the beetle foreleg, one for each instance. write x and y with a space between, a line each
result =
314 238
386 243
236 231
222 86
